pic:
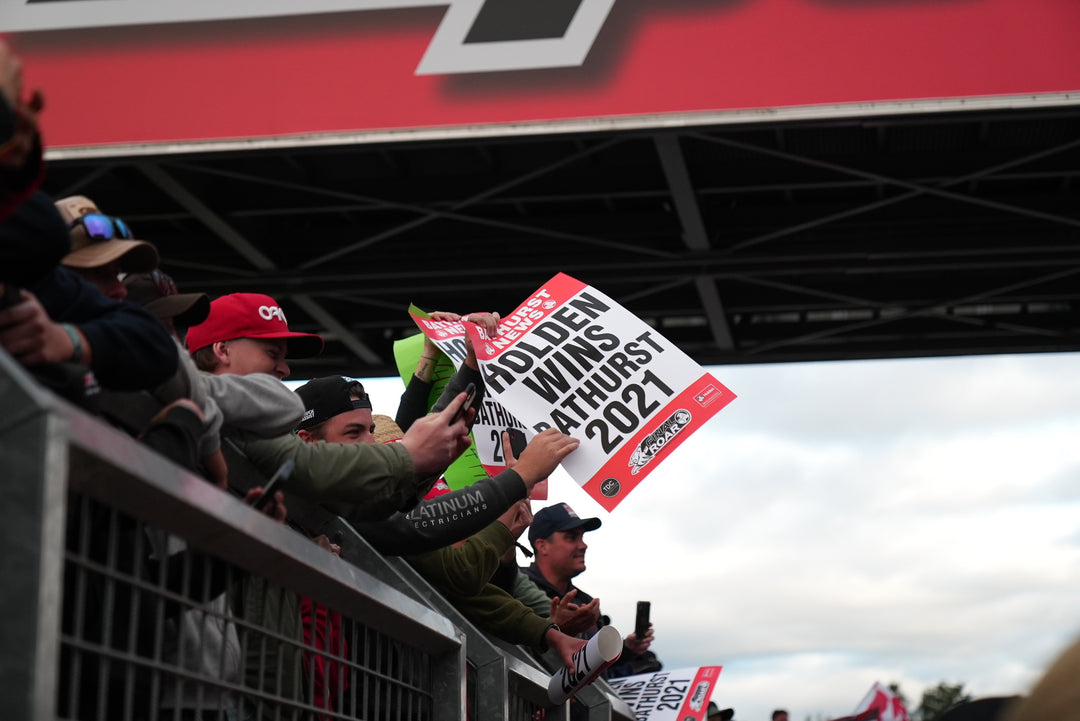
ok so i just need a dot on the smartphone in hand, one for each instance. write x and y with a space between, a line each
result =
274 484
641 623
470 396
518 441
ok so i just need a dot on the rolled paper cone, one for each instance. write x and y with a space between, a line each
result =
596 655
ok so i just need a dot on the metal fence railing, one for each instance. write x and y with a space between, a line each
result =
135 590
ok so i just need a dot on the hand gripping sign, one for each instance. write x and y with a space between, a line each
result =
572 358
467 468
485 456
680 694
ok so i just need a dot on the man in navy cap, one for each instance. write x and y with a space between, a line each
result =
557 536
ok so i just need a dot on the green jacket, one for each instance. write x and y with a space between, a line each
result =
531 595
361 481
462 575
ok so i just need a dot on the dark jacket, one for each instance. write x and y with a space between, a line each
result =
461 573
132 349
446 519
628 663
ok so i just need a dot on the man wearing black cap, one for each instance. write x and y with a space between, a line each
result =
339 411
557 537
483 514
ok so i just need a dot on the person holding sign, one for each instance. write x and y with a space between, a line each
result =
247 333
557 537
462 574
339 411
415 401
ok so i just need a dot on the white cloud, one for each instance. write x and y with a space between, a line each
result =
845 523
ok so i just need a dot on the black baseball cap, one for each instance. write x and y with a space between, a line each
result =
329 396
157 292
560 517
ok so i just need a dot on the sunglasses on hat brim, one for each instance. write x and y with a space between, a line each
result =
99 226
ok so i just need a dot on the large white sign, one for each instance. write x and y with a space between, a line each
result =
680 694
572 358
492 417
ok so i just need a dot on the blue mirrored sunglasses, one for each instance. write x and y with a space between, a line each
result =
103 227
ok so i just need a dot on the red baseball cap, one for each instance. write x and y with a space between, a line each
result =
250 315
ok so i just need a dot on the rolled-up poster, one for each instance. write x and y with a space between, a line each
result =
596 655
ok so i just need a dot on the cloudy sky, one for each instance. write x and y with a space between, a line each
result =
845 523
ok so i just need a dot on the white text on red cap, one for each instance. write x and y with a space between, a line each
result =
268 312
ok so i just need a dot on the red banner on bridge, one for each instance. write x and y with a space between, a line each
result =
178 71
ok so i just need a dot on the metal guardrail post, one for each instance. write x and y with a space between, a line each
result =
33 461
449 685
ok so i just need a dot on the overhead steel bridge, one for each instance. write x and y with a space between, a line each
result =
913 235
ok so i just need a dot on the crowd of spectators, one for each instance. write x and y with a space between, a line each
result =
88 312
